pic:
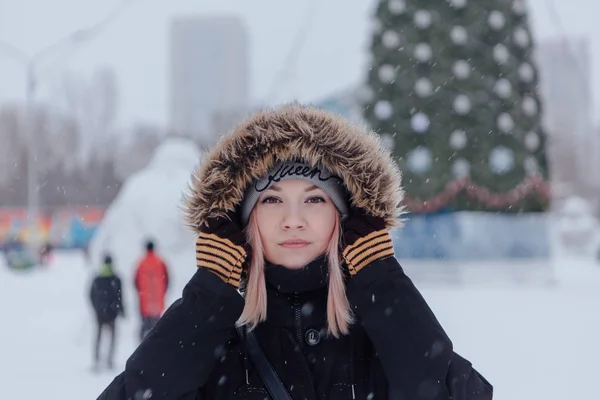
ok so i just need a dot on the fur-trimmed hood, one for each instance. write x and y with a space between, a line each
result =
294 131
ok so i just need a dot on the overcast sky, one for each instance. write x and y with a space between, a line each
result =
135 44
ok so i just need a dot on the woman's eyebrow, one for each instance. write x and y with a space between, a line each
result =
274 188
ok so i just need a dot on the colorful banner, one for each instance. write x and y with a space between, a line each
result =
65 228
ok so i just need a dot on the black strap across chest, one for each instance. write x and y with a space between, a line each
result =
265 370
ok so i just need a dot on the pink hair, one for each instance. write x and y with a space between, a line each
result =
339 316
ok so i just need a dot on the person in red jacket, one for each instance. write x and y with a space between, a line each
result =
151 282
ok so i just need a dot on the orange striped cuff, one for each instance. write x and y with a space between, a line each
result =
374 246
220 256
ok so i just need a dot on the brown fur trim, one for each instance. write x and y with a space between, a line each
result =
274 135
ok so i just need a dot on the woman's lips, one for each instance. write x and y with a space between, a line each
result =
294 244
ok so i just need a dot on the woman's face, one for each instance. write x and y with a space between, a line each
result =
295 220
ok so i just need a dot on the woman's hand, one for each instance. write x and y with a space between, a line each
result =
221 247
366 239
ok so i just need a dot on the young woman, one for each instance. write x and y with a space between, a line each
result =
292 209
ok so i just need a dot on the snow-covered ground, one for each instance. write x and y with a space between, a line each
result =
531 328
531 341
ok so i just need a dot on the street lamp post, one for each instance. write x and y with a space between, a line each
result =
33 203
31 64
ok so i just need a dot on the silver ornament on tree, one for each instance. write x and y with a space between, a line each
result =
503 88
422 19
423 87
459 35
501 54
462 104
529 106
461 69
461 168
383 110
458 139
458 4
521 37
423 52
501 160
419 160
496 20
505 123
390 39
519 7
526 73
420 122
531 166
532 141
397 7
386 73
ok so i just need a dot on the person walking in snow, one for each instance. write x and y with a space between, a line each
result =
151 283
45 254
107 300
292 212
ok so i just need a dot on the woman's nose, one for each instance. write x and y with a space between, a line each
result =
293 219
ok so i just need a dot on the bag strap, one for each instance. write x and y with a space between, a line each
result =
263 367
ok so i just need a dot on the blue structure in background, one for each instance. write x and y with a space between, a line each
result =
79 234
473 236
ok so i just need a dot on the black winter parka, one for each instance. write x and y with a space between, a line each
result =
396 349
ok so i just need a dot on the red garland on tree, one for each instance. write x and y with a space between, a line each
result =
532 185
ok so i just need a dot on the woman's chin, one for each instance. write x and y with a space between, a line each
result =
290 261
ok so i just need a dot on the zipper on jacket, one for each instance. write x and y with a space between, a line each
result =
296 304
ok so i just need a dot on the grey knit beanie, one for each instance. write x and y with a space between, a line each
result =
318 176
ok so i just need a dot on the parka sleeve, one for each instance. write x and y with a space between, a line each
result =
415 352
175 360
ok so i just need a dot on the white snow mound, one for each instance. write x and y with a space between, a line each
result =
149 207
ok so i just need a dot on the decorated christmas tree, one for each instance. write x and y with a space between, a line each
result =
452 89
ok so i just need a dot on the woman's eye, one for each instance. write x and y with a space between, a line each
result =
270 200
316 200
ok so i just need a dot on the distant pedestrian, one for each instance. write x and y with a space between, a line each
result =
107 301
45 254
151 282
